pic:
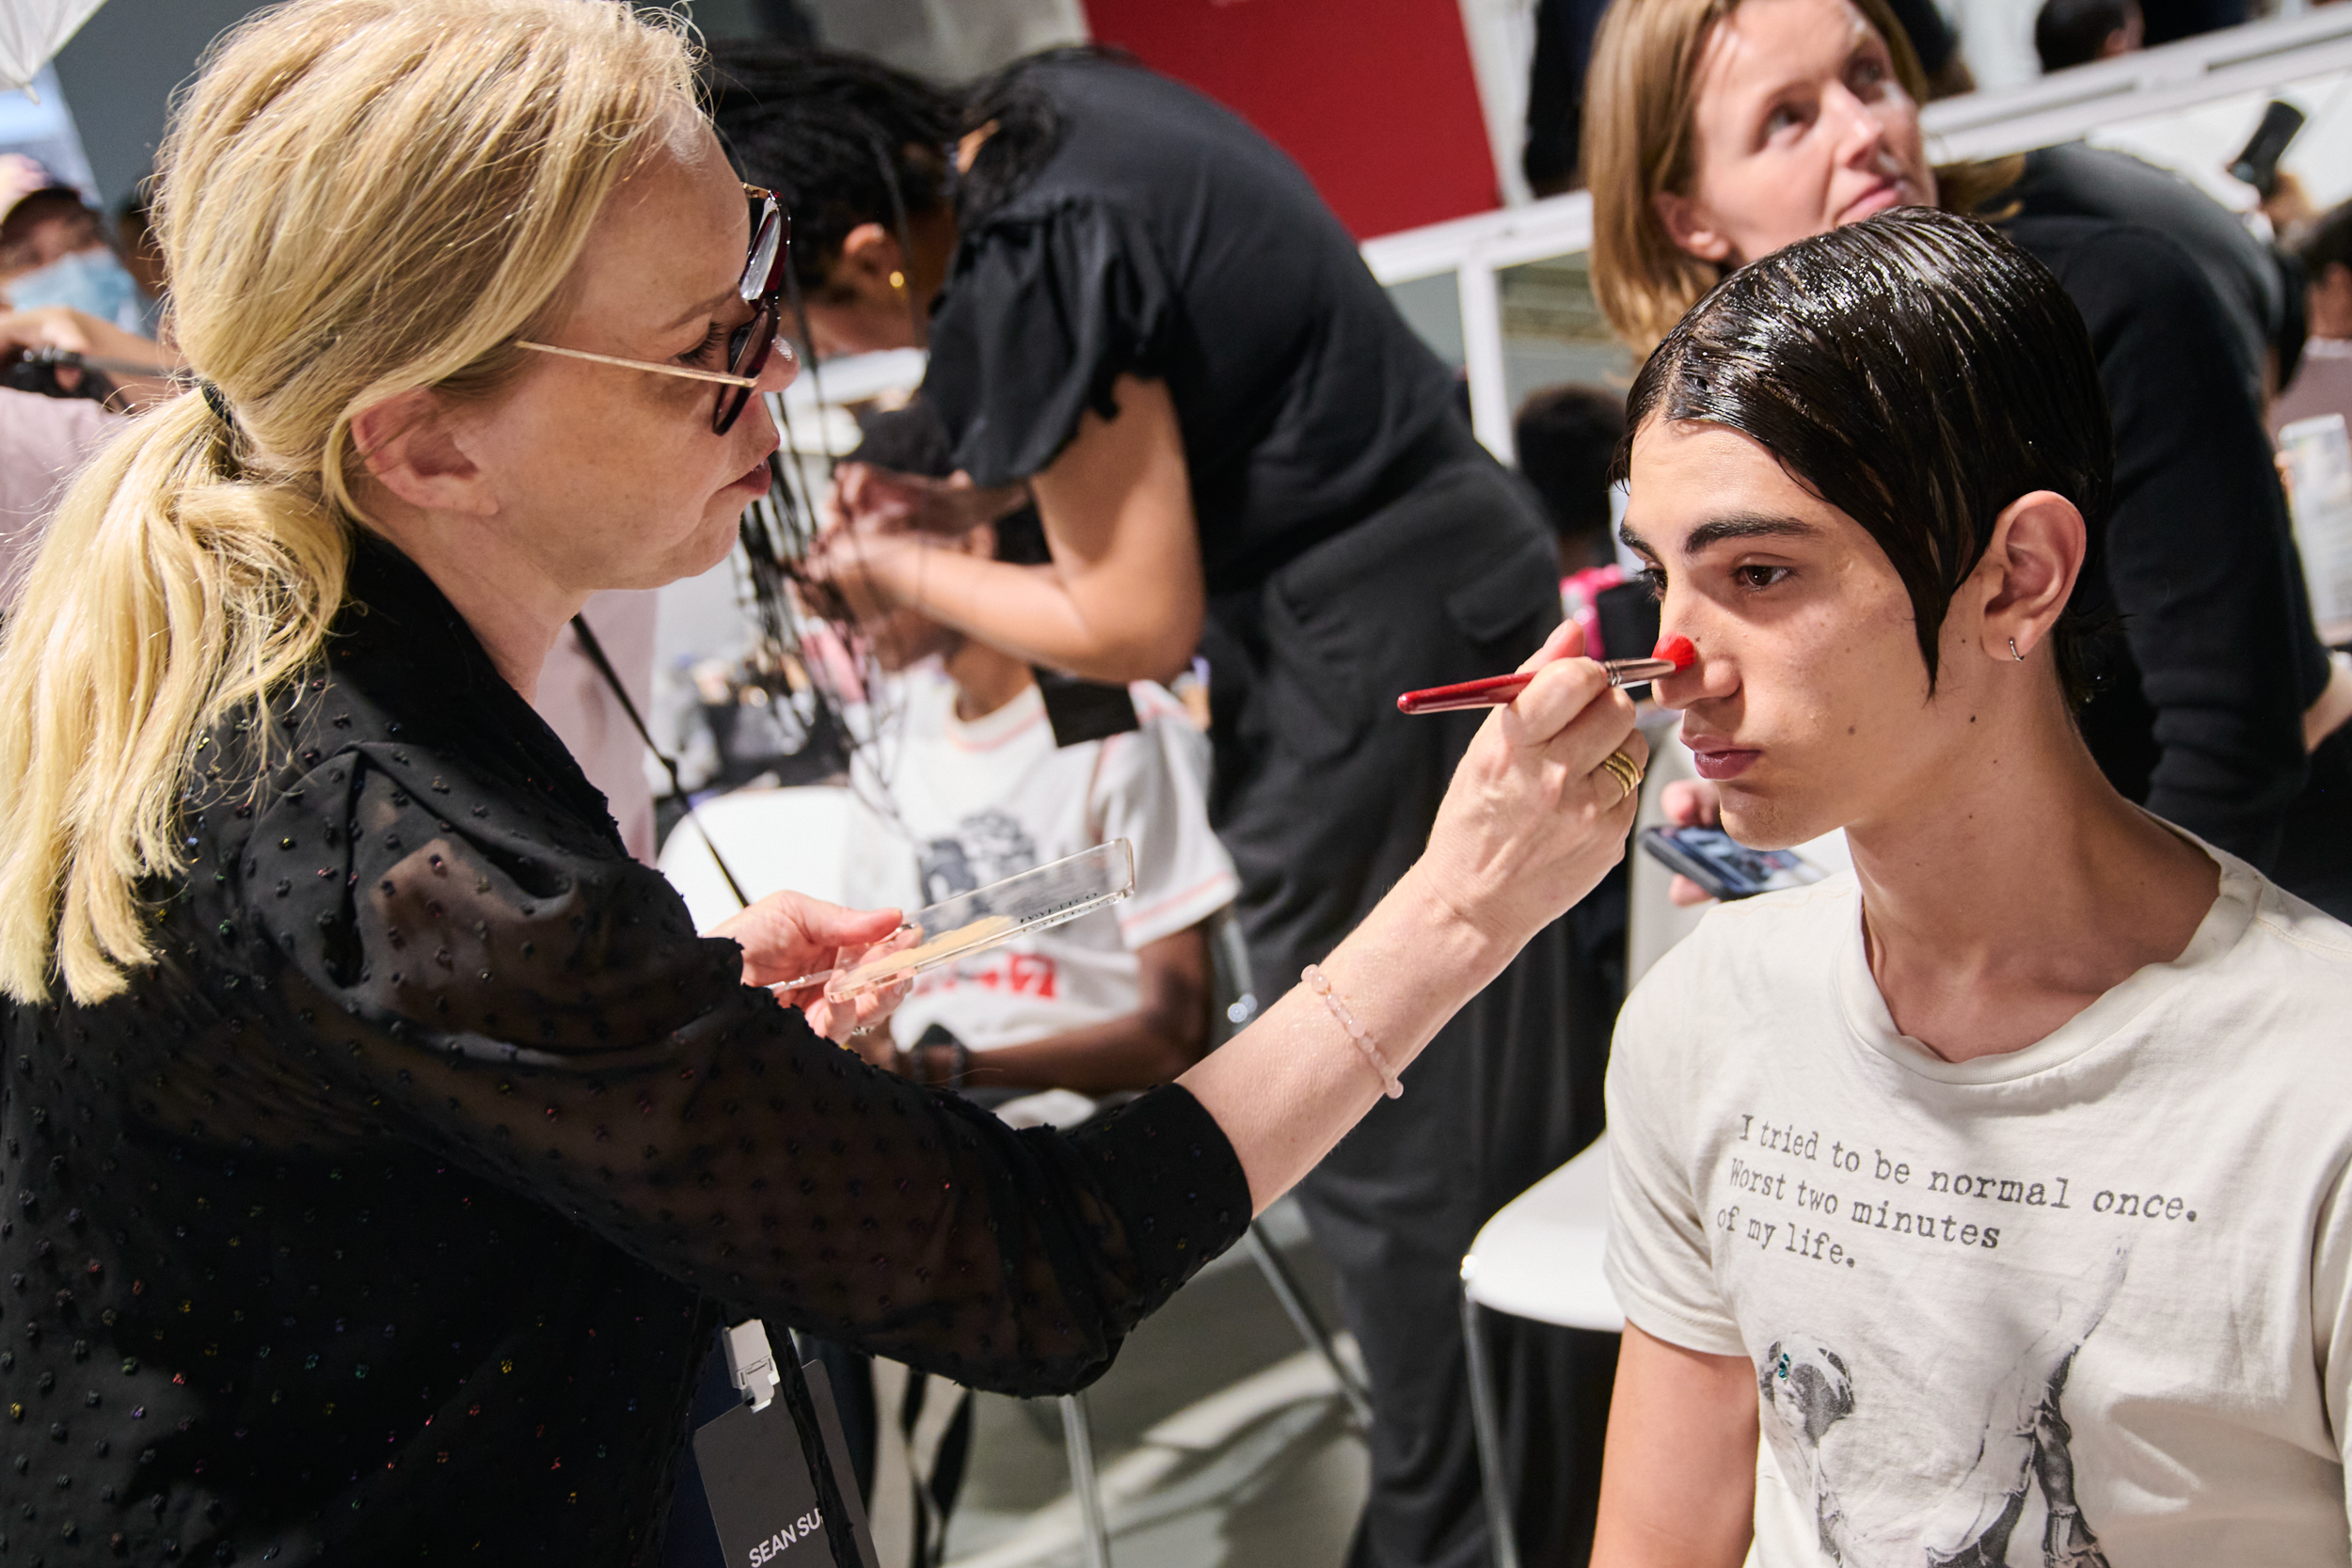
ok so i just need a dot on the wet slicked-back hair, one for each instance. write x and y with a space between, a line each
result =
1918 371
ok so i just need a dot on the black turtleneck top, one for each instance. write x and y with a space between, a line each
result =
386 1216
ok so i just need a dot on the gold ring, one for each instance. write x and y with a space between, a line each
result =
1625 770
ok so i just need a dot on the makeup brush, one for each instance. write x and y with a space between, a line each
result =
1673 654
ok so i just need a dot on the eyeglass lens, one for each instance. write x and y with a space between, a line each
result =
762 285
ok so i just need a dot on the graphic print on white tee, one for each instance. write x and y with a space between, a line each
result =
975 802
1825 1201
986 846
2083 1305
1805 1388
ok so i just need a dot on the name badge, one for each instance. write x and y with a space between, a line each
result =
762 1484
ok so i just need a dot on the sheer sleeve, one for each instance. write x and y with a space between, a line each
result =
546 1015
1045 310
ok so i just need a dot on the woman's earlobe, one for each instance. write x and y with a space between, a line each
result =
1689 231
871 253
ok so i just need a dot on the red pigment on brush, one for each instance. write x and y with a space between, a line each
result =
1679 650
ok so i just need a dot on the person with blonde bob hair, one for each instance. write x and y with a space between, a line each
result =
1719 131
383 1143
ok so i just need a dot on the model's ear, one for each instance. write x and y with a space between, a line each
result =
1690 227
871 265
412 448
2029 572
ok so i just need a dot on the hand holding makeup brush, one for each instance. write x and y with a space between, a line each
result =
1545 795
1673 654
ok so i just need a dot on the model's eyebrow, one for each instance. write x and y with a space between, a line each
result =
1747 525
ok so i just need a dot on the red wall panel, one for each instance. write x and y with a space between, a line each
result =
1375 98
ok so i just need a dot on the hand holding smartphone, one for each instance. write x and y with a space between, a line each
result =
1723 867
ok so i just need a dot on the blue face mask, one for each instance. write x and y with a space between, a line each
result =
91 281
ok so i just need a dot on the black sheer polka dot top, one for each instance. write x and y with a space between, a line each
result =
386 1217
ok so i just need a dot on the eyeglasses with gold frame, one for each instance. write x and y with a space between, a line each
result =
749 345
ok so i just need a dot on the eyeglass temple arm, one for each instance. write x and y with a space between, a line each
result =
719 376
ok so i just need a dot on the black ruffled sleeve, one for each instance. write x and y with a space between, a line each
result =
1045 310
538 1008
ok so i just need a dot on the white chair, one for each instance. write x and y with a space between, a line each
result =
1538 1257
771 838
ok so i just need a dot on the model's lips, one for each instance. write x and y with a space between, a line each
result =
1888 192
755 479
1718 761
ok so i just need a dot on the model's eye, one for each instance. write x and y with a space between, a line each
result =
1653 583
1866 75
1789 117
1758 578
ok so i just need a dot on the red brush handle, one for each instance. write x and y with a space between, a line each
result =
1673 653
1493 691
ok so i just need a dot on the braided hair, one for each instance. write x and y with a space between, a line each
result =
841 140
844 140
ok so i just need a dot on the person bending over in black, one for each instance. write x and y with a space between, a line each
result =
1139 310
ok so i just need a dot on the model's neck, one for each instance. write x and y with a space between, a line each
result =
510 603
986 679
2012 894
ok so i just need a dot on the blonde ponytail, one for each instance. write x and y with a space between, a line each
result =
358 197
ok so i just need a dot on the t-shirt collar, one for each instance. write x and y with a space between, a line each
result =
991 729
2222 928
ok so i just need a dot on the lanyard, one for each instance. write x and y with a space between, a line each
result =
772 1466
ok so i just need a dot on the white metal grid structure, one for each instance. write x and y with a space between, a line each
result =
1473 249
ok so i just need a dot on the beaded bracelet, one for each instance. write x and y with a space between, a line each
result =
1391 1084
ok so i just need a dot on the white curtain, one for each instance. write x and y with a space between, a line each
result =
32 31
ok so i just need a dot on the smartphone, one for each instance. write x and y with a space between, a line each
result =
2258 165
1709 857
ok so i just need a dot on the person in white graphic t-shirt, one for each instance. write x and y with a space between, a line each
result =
967 785
1987 1204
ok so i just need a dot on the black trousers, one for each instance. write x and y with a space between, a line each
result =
1324 794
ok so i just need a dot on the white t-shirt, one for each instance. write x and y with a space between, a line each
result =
977 803
2094 1290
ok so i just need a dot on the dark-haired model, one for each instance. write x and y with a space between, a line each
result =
2003 1182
